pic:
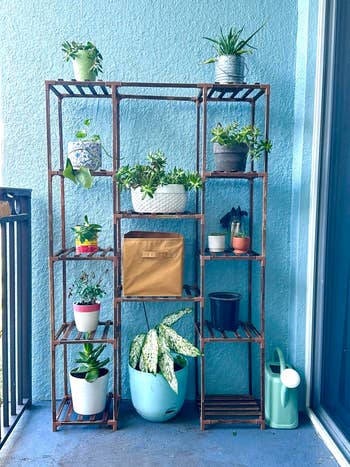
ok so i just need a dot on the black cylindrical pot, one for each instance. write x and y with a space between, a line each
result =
224 309
230 158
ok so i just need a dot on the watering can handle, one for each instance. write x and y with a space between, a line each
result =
279 354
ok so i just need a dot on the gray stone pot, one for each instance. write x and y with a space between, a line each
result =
229 69
230 158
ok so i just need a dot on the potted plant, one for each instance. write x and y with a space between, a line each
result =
84 155
230 49
240 242
86 237
88 381
216 242
158 371
86 290
233 143
155 190
86 58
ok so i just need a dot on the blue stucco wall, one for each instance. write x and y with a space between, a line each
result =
147 40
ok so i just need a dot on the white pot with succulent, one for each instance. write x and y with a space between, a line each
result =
155 190
158 370
89 381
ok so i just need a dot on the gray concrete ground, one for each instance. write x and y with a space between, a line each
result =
176 443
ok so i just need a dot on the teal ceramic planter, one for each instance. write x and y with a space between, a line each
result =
152 396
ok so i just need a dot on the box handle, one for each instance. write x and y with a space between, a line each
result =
157 254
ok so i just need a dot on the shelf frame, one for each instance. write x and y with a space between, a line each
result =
200 94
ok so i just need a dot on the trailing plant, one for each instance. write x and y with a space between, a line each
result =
72 49
87 289
86 231
231 43
152 175
89 363
250 135
153 352
82 175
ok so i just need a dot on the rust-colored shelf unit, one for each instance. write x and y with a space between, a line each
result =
213 408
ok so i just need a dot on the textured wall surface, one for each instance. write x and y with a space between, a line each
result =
147 40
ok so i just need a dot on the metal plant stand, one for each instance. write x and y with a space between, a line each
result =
243 408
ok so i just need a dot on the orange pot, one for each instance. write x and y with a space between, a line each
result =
240 245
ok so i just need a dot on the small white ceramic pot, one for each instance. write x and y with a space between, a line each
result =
216 243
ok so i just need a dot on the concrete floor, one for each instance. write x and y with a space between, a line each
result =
176 443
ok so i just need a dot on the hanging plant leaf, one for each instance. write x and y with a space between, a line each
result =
83 177
178 343
149 352
166 365
172 318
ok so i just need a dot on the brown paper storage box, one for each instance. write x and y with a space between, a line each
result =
152 263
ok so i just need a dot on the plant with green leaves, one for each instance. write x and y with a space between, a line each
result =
161 347
153 174
87 288
82 175
250 135
89 363
73 49
86 231
231 43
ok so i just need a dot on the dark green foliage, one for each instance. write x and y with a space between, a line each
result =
152 175
71 50
86 231
89 363
87 289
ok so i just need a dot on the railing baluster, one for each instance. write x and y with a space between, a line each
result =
12 319
15 254
4 320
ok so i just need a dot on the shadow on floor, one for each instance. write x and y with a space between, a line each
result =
176 443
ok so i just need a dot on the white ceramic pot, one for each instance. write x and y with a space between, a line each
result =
86 316
88 398
216 243
166 199
85 154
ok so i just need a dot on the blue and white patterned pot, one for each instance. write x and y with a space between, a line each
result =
85 154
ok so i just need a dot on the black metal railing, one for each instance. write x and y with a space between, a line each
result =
15 307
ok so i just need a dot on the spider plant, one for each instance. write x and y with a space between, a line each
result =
231 43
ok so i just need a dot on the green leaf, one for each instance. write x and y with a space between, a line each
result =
166 366
149 352
172 318
83 177
178 343
69 172
92 375
135 349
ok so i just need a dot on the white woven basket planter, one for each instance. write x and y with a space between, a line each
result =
168 198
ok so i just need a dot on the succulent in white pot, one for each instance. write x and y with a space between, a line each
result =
86 290
155 189
89 380
158 370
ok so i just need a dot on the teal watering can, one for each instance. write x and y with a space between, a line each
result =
281 393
